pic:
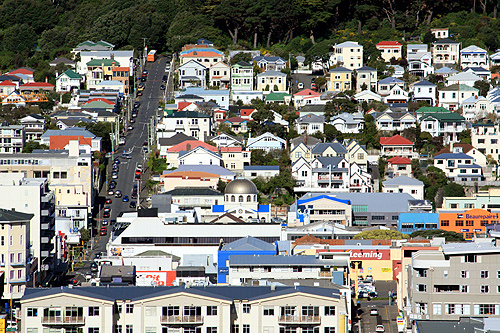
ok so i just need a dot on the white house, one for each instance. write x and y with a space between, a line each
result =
420 68
476 107
445 52
367 96
191 123
451 97
483 73
389 120
348 54
404 184
486 138
267 63
34 126
398 72
323 174
440 33
219 96
125 58
466 78
495 59
348 122
459 166
384 86
310 124
367 76
220 75
67 81
445 72
271 81
225 140
266 141
425 91
474 56
360 180
396 95
192 73
447 125
396 145
307 96
199 155
389 50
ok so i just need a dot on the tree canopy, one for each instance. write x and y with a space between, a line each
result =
450 236
381 234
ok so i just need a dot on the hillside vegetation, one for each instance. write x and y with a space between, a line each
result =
36 31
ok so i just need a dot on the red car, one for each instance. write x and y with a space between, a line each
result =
108 201
104 231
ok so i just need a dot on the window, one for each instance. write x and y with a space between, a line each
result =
211 310
235 328
470 258
171 310
246 308
459 223
436 308
129 308
329 311
485 289
464 288
129 329
32 312
288 310
118 329
93 311
469 223
485 274
150 329
498 274
329 329
246 328
422 288
485 309
268 311
288 329
32 330
464 274
150 311
310 311
211 329
93 329
118 308
309 329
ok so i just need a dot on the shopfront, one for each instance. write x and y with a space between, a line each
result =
467 222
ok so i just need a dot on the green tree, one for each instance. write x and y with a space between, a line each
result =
242 56
482 86
32 145
221 186
370 133
454 190
465 136
450 236
84 235
381 234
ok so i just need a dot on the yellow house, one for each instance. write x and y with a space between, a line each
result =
271 81
301 151
340 79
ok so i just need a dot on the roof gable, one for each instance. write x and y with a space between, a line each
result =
397 140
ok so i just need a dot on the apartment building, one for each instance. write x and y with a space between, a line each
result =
12 138
460 279
348 54
445 52
192 123
34 125
221 309
14 251
486 138
70 177
32 196
474 56
242 76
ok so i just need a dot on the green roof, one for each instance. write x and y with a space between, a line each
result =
103 62
444 117
461 87
71 74
276 97
432 109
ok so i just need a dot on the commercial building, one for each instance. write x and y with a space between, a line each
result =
488 200
417 221
15 254
221 309
468 222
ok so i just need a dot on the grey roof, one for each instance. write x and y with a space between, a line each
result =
350 118
375 202
13 216
309 141
340 69
462 248
211 138
448 326
446 70
135 293
271 73
193 191
403 180
326 161
311 118
270 59
163 202
64 60
445 41
267 260
425 83
243 64
322 146
73 131
249 243
175 140
187 114
390 80
365 68
216 169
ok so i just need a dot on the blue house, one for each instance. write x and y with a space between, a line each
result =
410 222
244 246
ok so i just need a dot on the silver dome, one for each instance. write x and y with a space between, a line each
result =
241 186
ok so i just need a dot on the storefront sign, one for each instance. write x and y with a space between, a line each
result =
386 270
151 278
464 230
365 254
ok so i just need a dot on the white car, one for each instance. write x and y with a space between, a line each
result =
301 85
121 141
380 328
373 312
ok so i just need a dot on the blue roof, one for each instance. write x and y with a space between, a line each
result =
262 167
425 83
452 156
469 166
322 146
264 208
72 131
202 91
218 209
389 80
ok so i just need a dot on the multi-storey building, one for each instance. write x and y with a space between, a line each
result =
12 138
340 79
348 54
32 196
34 125
460 279
221 309
195 124
398 146
15 251
367 79
389 50
486 138
242 76
70 176
447 125
474 56
445 52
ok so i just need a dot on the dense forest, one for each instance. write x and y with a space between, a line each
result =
36 31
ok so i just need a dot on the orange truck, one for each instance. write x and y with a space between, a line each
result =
151 56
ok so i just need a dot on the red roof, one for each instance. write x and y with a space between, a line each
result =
389 43
236 120
21 71
121 69
246 112
99 100
396 140
60 141
230 149
7 83
37 84
201 54
183 146
307 92
399 160
182 105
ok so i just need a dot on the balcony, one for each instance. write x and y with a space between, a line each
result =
331 178
18 263
46 320
48 197
188 320
313 320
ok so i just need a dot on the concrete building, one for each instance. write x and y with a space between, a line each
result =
179 309
348 54
12 138
34 126
455 281
486 138
487 199
15 254
404 184
32 196
264 171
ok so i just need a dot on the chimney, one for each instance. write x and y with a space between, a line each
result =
74 148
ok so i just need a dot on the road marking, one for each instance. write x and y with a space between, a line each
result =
388 319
